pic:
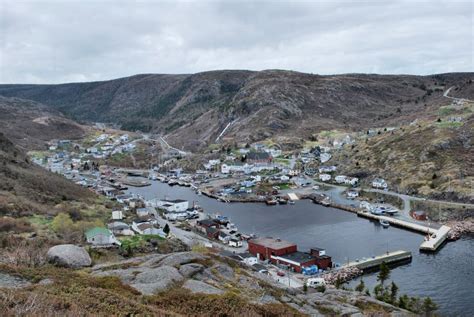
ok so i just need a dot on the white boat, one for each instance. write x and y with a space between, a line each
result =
291 202
384 223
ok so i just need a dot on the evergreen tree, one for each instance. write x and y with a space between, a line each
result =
429 306
393 293
403 302
384 273
361 286
166 229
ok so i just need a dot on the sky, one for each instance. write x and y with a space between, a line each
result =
71 41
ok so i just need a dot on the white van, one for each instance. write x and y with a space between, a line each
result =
315 282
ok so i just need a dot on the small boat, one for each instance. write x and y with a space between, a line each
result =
291 202
271 201
384 223
282 201
326 201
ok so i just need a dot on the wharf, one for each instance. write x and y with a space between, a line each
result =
374 262
436 236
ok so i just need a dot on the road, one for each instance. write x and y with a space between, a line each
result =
445 94
166 147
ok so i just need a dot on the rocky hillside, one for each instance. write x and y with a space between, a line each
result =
27 189
177 284
30 124
192 110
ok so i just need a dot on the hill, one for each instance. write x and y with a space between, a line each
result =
192 110
27 189
30 124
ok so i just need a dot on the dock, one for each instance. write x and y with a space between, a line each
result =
374 262
437 236
434 242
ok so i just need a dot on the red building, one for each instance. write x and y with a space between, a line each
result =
264 248
296 260
323 261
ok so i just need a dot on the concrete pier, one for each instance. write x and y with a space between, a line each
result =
374 262
437 236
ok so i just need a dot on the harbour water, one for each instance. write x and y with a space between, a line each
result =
447 276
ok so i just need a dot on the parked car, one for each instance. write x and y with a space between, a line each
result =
280 273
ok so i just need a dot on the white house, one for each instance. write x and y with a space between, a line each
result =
327 169
324 177
177 215
324 157
379 183
351 181
176 205
250 260
236 167
340 179
120 228
117 215
145 212
284 178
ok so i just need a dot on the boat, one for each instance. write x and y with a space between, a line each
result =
384 223
271 201
326 201
291 202
282 201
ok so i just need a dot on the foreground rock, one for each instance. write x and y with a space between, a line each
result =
214 275
200 287
69 255
9 281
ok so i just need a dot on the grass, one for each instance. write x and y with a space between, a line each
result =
448 124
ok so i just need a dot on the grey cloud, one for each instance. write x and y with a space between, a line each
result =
58 41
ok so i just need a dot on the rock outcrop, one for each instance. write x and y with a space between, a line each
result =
69 255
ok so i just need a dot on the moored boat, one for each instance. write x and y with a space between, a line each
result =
384 223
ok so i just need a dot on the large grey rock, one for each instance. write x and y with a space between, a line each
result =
191 269
224 270
69 255
127 276
200 287
157 279
10 281
181 258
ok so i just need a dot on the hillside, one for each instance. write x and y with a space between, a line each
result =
27 189
433 158
30 124
192 110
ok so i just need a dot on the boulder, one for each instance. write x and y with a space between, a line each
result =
69 255
200 287
10 281
157 279
189 270
181 258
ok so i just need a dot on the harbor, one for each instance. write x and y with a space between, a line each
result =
346 238
389 258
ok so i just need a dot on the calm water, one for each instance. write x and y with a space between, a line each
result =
446 276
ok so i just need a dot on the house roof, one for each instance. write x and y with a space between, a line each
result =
98 230
175 201
258 156
300 257
212 230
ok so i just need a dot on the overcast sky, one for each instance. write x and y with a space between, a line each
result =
53 42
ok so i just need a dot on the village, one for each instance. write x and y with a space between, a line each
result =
255 173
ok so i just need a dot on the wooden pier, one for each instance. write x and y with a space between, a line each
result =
436 236
374 262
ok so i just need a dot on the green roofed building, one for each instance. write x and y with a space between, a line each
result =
99 236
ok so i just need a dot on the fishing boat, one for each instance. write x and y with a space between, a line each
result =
282 201
384 223
291 202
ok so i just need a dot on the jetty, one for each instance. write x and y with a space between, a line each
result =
435 237
374 262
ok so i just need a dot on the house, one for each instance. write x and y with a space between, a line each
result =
324 177
324 157
249 259
120 228
227 168
117 215
212 232
327 169
124 138
351 181
99 236
223 237
340 179
284 178
176 205
379 183
236 243
208 223
296 260
177 215
146 212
